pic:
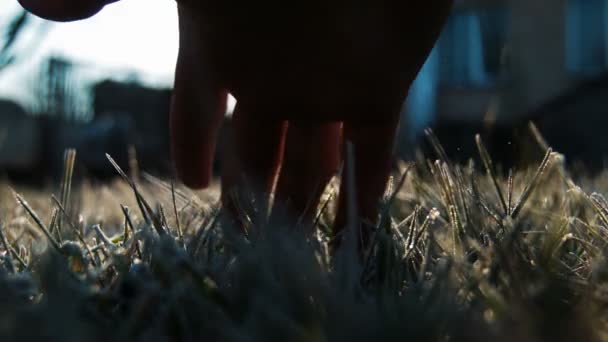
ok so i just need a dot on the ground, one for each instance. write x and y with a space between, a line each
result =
461 253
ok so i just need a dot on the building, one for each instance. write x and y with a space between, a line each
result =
509 56
140 117
498 61
19 138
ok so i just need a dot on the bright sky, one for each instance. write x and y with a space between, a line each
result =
128 36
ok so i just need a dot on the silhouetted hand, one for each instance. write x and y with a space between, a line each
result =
307 77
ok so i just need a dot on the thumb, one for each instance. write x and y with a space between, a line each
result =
64 10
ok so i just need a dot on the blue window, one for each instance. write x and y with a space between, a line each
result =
467 54
421 102
471 47
586 28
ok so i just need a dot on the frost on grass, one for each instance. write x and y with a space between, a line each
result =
460 253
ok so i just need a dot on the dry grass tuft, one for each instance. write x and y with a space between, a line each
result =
457 255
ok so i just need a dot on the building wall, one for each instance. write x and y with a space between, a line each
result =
19 137
535 58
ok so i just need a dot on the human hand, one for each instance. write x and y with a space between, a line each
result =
303 88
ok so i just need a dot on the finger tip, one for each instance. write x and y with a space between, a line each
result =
63 11
192 175
195 182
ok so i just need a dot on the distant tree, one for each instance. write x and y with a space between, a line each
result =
11 33
57 91
9 37
54 87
